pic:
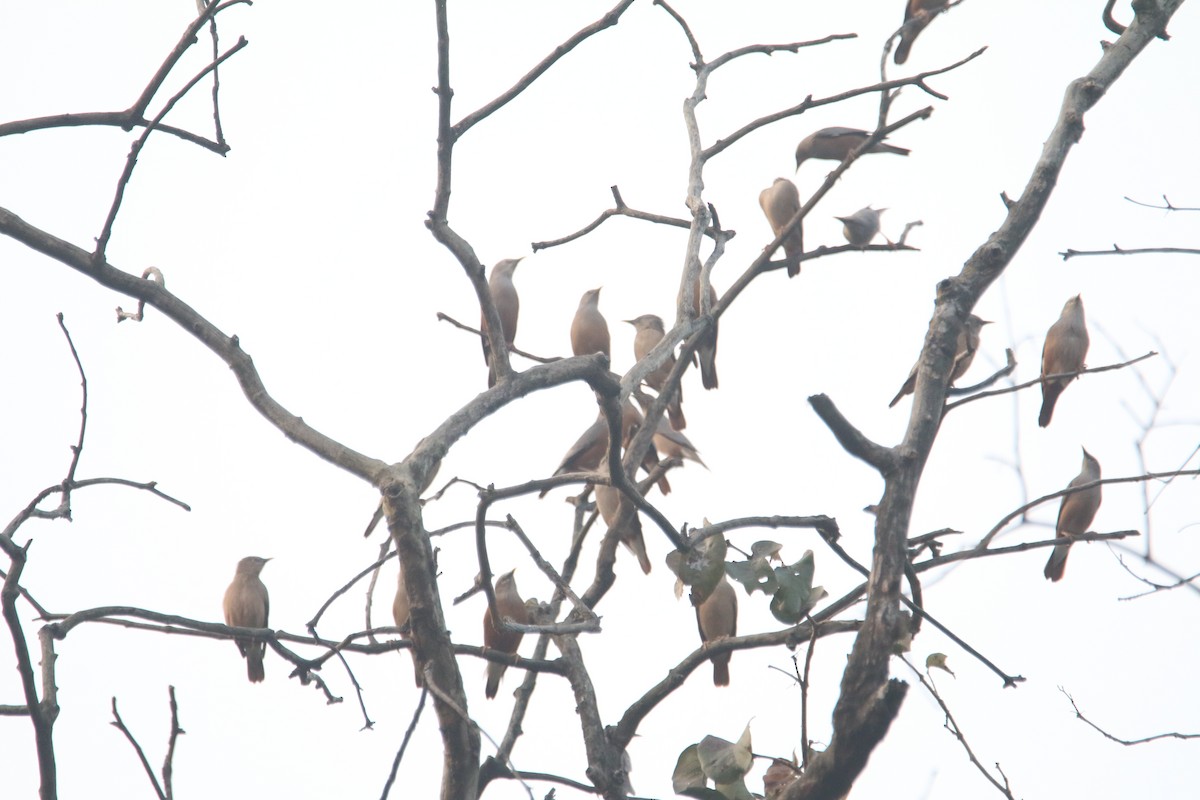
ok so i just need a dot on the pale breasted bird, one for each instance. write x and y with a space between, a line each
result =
965 348
592 445
1065 348
706 348
780 202
508 604
834 144
917 15
1075 515
650 332
716 616
400 614
248 606
862 226
508 305
621 516
589 330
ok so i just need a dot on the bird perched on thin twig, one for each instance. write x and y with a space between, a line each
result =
917 15
781 202
508 305
1065 348
495 637
716 615
964 353
589 330
1075 515
706 348
621 517
650 332
862 226
834 144
248 606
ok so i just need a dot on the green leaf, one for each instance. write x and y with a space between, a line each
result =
766 549
701 567
795 595
937 661
734 791
725 762
688 773
753 575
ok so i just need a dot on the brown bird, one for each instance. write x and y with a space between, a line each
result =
673 444
1065 348
589 331
1075 515
862 226
716 616
917 15
400 613
247 606
834 144
649 333
621 515
592 445
780 202
508 305
509 604
780 775
964 354
706 349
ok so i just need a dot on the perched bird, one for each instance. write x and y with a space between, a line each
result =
964 354
247 606
508 305
1065 348
717 617
780 202
780 775
592 445
917 15
400 609
1075 515
834 144
706 350
621 516
508 604
673 444
862 226
589 331
649 333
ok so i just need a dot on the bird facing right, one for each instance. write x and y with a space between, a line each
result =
508 306
964 353
650 332
248 606
508 604
1075 515
589 330
1065 348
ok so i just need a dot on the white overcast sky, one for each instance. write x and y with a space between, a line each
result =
308 242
